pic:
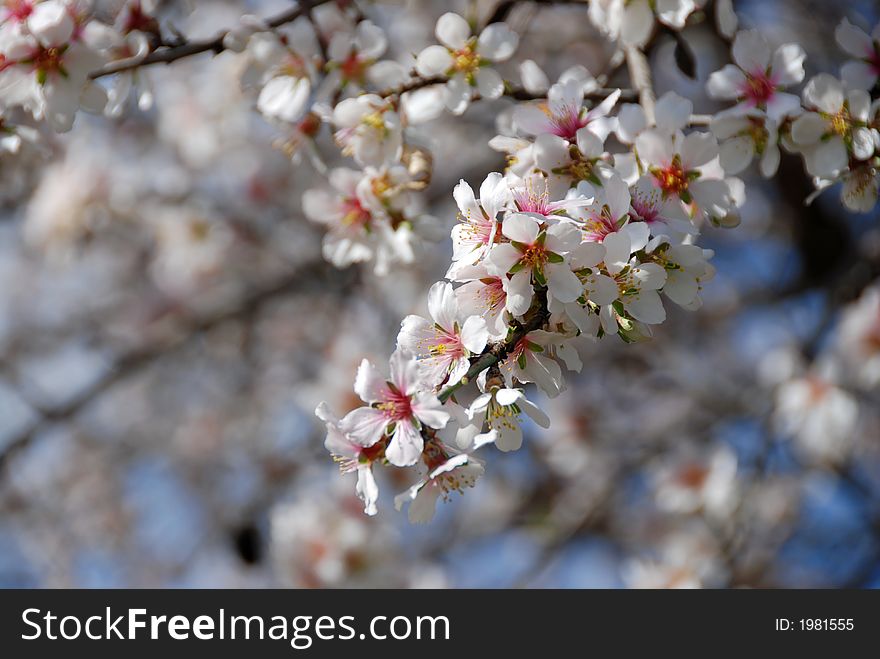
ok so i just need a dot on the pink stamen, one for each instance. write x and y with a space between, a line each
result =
758 88
567 123
396 405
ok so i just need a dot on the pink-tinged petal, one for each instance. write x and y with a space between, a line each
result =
521 228
367 490
858 74
727 83
788 64
497 42
433 61
751 51
416 334
442 305
453 31
429 410
406 445
853 40
494 194
519 293
531 120
467 203
404 371
474 334
369 383
365 425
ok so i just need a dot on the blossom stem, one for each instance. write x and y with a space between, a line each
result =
535 319
189 48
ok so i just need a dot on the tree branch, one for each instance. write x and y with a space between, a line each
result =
166 55
137 359
496 353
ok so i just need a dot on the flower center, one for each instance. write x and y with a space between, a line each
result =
354 68
599 225
840 122
466 60
758 88
355 215
397 406
758 133
673 179
566 121
375 121
534 255
48 60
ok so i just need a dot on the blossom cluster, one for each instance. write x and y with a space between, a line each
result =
590 232
834 126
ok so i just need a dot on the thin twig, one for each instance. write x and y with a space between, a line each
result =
215 44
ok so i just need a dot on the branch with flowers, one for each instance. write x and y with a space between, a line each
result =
589 231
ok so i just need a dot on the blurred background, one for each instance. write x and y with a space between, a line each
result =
167 326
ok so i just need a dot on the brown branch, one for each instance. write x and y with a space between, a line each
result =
535 319
135 360
166 55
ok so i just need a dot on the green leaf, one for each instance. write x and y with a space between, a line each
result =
554 258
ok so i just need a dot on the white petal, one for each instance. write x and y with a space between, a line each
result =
825 92
672 112
520 228
727 83
453 31
458 94
433 61
474 334
751 51
788 64
808 129
406 445
497 42
489 83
